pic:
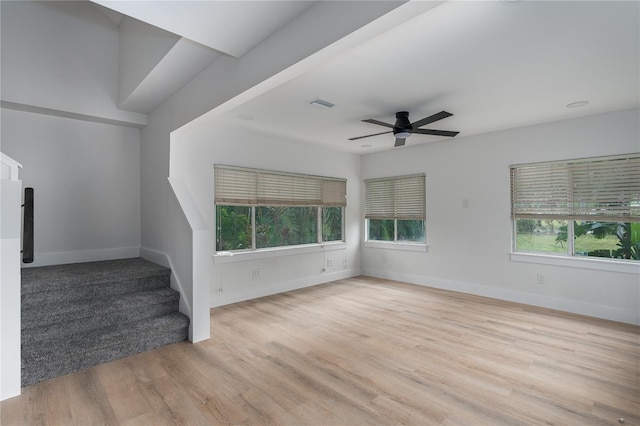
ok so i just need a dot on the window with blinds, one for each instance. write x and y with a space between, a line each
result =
585 207
603 188
395 208
263 209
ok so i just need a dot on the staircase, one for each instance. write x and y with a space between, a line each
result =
81 315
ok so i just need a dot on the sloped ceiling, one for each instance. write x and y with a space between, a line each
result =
229 27
493 64
203 29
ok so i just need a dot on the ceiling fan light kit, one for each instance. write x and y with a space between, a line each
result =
403 128
403 134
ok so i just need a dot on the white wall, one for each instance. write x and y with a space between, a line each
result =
86 180
469 247
62 56
192 158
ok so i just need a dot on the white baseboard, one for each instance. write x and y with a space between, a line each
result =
64 257
155 257
222 299
565 305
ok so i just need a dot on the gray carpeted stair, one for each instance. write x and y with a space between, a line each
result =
81 315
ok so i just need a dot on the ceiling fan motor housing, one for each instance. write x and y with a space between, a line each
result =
402 123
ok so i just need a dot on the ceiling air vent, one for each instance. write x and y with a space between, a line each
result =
321 103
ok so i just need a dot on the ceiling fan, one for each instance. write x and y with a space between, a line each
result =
403 128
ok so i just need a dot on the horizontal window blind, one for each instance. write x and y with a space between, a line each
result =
243 186
605 189
400 197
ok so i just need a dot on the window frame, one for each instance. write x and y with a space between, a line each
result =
326 192
560 202
396 205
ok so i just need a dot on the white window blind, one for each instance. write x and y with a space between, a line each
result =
400 197
602 188
243 186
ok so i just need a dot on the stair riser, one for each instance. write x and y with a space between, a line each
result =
62 294
65 363
57 330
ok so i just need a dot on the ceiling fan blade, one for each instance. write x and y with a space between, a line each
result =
368 136
431 119
379 123
399 142
434 132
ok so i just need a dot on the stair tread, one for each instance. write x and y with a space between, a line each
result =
48 278
53 313
56 351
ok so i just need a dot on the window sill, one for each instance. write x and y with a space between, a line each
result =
610 265
243 256
389 245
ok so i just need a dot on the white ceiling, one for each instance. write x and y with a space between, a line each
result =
230 27
493 64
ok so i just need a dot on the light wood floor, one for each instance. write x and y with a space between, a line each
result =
362 352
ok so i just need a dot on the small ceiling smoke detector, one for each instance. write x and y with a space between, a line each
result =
321 103
578 104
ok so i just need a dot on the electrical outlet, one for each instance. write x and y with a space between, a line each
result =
255 273
329 262
540 279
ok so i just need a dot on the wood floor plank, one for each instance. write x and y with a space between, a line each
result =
362 351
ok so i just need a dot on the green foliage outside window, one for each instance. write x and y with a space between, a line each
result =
233 228
275 226
381 230
617 240
407 230
411 230
286 226
332 224
623 237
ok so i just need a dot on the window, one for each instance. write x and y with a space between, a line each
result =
587 207
261 209
395 209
